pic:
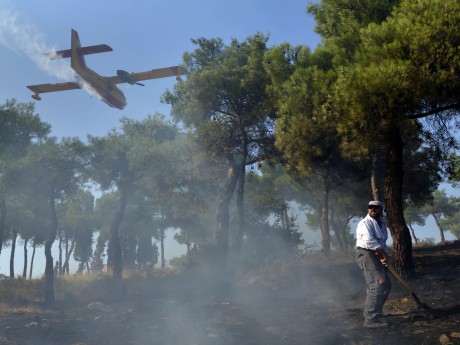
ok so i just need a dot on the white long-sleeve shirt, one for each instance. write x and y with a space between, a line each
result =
370 234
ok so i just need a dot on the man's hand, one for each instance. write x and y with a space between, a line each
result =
383 256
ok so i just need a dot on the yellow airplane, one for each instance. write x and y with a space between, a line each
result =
104 87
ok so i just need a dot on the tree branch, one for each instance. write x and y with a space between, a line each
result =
433 111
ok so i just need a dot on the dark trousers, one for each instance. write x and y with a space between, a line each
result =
378 283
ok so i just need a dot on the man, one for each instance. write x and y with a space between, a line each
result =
372 256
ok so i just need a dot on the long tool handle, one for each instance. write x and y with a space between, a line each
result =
407 286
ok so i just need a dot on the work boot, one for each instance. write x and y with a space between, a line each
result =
375 323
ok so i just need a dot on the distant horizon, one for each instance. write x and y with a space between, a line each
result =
172 250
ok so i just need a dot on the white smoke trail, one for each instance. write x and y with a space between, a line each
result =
24 39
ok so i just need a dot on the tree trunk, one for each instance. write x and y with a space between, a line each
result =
97 264
240 195
325 234
402 244
441 230
337 232
412 233
13 250
69 251
59 264
187 241
223 217
162 241
284 218
162 247
374 185
24 271
62 266
345 239
32 260
117 259
376 178
2 220
49 265
65 265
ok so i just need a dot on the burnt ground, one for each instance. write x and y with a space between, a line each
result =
313 304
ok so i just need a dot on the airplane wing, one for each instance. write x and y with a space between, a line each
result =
42 88
132 78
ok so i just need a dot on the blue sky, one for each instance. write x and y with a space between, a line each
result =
144 35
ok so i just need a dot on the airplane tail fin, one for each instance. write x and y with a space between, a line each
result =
76 59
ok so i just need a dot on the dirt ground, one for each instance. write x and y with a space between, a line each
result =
316 304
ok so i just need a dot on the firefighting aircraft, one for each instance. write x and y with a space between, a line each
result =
104 87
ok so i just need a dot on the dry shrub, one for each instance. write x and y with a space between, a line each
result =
272 275
82 287
21 291
86 288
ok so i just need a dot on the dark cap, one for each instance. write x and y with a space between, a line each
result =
376 203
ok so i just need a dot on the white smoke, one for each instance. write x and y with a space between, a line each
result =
88 88
23 38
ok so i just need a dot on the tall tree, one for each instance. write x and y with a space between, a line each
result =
27 216
75 215
275 232
414 215
442 206
156 162
19 128
224 101
52 170
451 222
402 82
110 169
418 76
306 131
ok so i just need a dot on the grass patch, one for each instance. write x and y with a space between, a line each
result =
21 291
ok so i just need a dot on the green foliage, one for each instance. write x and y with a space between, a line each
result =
339 22
52 169
415 215
305 135
147 253
425 34
28 213
76 217
408 68
97 262
389 74
19 128
452 224
268 242
268 191
450 220
225 96
441 205
109 162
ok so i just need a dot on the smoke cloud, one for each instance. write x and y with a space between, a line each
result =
21 37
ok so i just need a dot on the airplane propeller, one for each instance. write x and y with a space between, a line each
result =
126 77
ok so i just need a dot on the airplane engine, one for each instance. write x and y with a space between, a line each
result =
37 97
126 77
